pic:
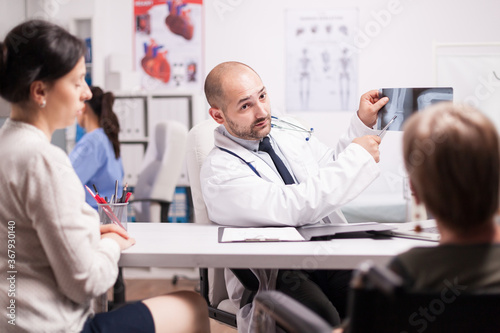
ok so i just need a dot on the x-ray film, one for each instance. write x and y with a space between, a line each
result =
403 102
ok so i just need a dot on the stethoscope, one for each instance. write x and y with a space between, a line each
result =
291 127
242 159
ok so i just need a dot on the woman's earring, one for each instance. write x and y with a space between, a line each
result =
43 104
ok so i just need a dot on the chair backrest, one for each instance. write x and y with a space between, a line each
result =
200 141
446 311
161 169
375 306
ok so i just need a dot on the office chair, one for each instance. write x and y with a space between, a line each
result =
200 142
160 172
378 302
290 315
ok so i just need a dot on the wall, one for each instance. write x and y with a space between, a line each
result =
399 54
11 13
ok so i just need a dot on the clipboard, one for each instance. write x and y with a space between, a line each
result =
300 234
259 234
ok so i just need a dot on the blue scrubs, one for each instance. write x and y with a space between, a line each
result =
94 161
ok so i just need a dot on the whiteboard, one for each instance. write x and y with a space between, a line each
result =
473 70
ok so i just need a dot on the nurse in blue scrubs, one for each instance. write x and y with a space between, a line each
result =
96 157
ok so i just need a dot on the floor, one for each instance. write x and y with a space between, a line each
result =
136 289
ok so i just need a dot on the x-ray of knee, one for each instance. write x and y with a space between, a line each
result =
403 102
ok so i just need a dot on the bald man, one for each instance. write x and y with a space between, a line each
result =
258 176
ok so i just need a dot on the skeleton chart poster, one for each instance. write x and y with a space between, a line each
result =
322 69
168 43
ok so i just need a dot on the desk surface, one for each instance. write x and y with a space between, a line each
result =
196 245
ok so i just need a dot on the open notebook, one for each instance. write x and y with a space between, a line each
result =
291 234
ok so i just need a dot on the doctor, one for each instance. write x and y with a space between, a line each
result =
244 186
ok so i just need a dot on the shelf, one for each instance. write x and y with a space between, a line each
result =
138 112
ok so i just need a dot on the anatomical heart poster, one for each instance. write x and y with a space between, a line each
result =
168 43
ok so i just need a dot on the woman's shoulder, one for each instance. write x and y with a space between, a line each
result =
91 142
24 143
95 137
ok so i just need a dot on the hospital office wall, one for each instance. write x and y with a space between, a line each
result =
400 53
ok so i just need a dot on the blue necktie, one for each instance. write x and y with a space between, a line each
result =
265 145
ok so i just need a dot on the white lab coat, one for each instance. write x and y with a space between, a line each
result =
327 179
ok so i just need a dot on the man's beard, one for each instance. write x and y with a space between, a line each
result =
251 133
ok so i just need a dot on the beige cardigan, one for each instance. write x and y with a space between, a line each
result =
61 263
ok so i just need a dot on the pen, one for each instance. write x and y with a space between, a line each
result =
95 189
90 191
387 126
262 239
116 192
124 193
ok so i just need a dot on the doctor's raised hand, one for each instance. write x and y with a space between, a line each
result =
370 104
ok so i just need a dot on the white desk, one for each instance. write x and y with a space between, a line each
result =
196 245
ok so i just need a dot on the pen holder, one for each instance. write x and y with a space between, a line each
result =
113 213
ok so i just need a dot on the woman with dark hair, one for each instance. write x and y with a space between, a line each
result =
96 157
56 254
